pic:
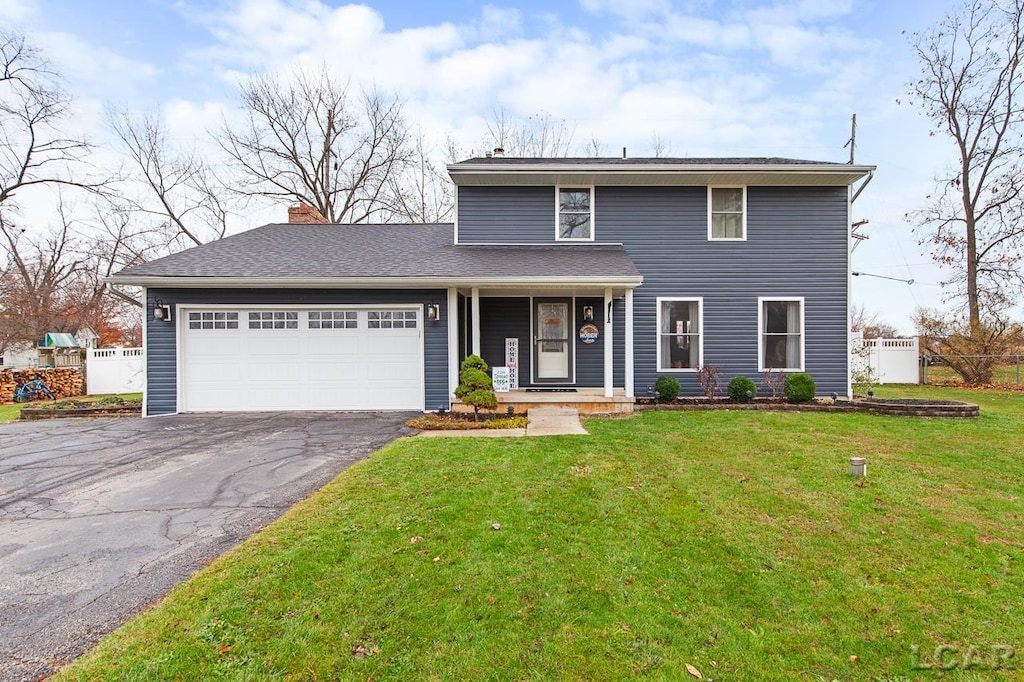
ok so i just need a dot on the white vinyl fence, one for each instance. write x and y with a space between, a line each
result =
889 361
114 370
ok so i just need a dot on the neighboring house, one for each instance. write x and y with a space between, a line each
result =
87 338
606 273
19 356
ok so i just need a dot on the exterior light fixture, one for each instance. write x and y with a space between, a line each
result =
750 396
433 312
588 312
161 312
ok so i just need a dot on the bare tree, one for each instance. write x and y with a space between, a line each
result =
969 88
423 192
181 191
55 281
539 135
871 325
33 107
659 148
305 140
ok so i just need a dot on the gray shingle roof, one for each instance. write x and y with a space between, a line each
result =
642 161
398 251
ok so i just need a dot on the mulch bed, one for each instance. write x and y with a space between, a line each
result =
905 407
82 409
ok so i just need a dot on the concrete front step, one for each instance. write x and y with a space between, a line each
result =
584 401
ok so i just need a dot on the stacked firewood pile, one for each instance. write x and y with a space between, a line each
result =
63 382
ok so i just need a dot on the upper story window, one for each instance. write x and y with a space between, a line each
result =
727 213
781 338
575 214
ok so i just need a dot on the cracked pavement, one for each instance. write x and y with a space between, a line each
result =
101 518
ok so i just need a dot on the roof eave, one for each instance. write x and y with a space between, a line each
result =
365 282
659 174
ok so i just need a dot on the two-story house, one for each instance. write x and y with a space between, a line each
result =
588 276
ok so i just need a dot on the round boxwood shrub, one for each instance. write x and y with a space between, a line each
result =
799 387
739 387
667 388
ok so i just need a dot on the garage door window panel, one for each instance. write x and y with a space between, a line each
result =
333 319
212 320
274 320
392 319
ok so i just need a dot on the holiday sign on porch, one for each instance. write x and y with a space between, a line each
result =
512 362
500 379
589 333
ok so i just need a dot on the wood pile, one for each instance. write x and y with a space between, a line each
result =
63 382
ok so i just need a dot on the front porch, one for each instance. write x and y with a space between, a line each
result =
566 346
584 400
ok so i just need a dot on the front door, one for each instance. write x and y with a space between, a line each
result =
552 347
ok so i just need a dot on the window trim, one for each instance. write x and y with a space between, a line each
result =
712 238
761 300
558 212
700 334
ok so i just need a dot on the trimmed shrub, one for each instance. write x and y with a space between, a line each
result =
799 387
667 388
475 387
738 388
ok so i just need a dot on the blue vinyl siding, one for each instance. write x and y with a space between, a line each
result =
796 245
500 215
161 355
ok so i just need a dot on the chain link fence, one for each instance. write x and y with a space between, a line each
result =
1008 370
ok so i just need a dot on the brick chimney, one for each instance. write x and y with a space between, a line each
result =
304 214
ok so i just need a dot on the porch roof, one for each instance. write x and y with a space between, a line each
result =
388 256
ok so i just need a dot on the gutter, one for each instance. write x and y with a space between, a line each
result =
366 282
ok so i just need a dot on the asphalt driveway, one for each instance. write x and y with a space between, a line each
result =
100 518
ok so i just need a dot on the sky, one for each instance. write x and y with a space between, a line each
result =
747 78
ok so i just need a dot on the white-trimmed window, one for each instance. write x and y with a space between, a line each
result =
392 319
212 320
574 213
680 334
274 319
333 319
781 333
727 213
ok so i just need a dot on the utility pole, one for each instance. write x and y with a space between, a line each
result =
852 142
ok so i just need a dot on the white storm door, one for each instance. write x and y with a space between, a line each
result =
552 347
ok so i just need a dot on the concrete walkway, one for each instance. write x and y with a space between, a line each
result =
554 421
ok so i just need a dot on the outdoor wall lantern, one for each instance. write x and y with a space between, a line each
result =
161 312
588 312
433 312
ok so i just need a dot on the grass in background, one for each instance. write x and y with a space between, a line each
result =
733 542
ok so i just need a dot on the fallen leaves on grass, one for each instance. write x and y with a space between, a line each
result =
693 671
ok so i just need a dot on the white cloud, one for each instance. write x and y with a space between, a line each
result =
100 70
17 11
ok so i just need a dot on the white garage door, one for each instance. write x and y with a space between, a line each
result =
338 358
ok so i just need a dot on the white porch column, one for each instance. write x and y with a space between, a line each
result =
453 341
628 349
609 356
475 294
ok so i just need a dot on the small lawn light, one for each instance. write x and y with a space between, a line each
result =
750 395
858 467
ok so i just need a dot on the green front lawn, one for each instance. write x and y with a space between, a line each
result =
733 542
